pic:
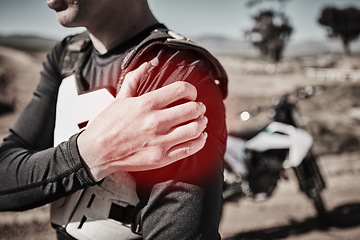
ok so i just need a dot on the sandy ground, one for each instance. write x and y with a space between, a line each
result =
288 214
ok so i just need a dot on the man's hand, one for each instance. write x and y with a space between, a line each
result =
137 133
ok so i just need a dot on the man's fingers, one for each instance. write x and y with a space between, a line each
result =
163 97
187 149
131 82
187 132
180 114
159 98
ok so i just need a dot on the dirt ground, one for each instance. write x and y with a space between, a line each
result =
288 214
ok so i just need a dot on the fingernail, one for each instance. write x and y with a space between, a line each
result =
154 62
205 134
203 107
206 119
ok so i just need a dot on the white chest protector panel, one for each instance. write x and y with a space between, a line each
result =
90 213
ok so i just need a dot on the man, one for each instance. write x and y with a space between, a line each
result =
156 119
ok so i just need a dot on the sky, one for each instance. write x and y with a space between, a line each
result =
192 18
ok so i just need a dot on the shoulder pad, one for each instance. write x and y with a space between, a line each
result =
218 71
173 39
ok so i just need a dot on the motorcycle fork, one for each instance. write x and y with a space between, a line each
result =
309 175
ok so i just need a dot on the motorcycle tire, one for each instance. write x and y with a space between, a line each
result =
311 183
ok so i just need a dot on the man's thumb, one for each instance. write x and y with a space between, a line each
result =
131 82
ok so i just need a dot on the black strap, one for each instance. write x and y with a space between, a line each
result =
74 54
158 35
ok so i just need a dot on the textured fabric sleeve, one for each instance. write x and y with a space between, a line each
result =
183 200
32 172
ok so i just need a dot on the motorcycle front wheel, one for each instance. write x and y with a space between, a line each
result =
312 183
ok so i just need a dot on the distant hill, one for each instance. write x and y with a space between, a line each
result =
27 42
227 46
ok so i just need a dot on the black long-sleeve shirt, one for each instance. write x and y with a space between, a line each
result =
33 172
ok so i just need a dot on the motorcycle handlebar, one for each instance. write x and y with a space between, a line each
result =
299 94
309 91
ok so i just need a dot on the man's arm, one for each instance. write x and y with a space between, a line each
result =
32 171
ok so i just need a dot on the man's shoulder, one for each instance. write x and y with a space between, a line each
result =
172 49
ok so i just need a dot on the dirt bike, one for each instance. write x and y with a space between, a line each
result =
255 160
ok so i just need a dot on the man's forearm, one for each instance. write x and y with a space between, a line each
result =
30 179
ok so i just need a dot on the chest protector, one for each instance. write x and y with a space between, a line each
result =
107 210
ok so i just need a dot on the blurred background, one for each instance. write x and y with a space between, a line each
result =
268 48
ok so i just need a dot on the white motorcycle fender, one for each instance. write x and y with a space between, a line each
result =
283 136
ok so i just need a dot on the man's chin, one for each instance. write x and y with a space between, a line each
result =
65 21
57 5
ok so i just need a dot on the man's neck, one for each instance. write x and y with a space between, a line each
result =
110 36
